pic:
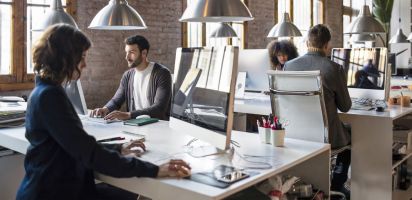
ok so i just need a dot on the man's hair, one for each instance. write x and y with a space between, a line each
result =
58 52
284 47
140 41
318 36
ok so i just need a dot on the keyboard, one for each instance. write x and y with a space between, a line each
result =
366 103
101 120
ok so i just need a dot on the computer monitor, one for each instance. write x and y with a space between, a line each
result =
368 74
75 93
255 62
204 85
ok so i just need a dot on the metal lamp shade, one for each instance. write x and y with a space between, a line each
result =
365 23
55 15
361 38
216 11
399 37
117 15
285 28
223 31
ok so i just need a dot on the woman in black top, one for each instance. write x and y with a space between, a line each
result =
61 157
280 52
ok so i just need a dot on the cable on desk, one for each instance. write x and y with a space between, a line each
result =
264 165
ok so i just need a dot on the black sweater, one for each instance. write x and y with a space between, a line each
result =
61 157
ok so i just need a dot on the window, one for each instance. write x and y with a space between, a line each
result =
196 34
351 10
17 18
301 16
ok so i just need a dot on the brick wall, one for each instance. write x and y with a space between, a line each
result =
334 19
106 63
258 29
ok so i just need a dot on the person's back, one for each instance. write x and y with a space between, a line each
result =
335 91
336 96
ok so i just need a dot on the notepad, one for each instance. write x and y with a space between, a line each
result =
140 122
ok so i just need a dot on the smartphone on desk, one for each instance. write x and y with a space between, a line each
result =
229 174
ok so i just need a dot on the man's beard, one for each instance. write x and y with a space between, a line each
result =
136 63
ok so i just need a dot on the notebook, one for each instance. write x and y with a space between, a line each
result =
140 121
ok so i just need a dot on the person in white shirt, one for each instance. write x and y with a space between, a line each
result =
146 87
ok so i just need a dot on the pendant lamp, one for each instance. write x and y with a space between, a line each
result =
216 11
399 37
224 30
365 23
55 15
117 15
285 28
362 38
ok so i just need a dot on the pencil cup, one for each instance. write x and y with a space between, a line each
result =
278 138
405 101
264 135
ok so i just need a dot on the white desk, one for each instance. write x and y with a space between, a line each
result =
372 138
371 155
306 159
295 158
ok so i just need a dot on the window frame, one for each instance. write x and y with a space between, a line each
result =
19 79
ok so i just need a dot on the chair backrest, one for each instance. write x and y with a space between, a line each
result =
297 96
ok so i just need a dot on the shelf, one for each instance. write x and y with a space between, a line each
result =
397 163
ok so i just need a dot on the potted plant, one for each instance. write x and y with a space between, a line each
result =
382 10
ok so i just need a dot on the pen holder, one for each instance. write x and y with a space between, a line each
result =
278 137
264 135
405 101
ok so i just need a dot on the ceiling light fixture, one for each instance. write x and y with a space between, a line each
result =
117 15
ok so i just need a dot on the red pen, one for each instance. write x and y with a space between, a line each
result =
111 139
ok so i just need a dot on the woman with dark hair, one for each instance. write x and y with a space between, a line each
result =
280 52
61 158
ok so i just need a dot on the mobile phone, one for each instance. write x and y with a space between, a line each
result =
229 174
233 176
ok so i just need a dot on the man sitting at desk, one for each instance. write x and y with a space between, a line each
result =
335 93
146 86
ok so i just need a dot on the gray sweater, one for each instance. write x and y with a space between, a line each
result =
159 93
335 92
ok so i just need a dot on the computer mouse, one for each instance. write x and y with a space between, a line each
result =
380 109
406 77
142 116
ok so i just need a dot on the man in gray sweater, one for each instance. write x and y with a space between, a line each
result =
336 96
146 87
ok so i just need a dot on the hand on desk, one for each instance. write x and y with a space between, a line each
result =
99 112
174 168
129 148
117 115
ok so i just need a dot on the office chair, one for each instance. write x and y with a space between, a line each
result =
297 96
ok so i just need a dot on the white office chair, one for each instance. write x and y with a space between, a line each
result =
297 96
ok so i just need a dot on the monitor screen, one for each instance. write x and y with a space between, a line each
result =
366 70
255 62
204 92
75 93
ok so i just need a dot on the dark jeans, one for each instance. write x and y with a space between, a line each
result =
108 192
340 172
